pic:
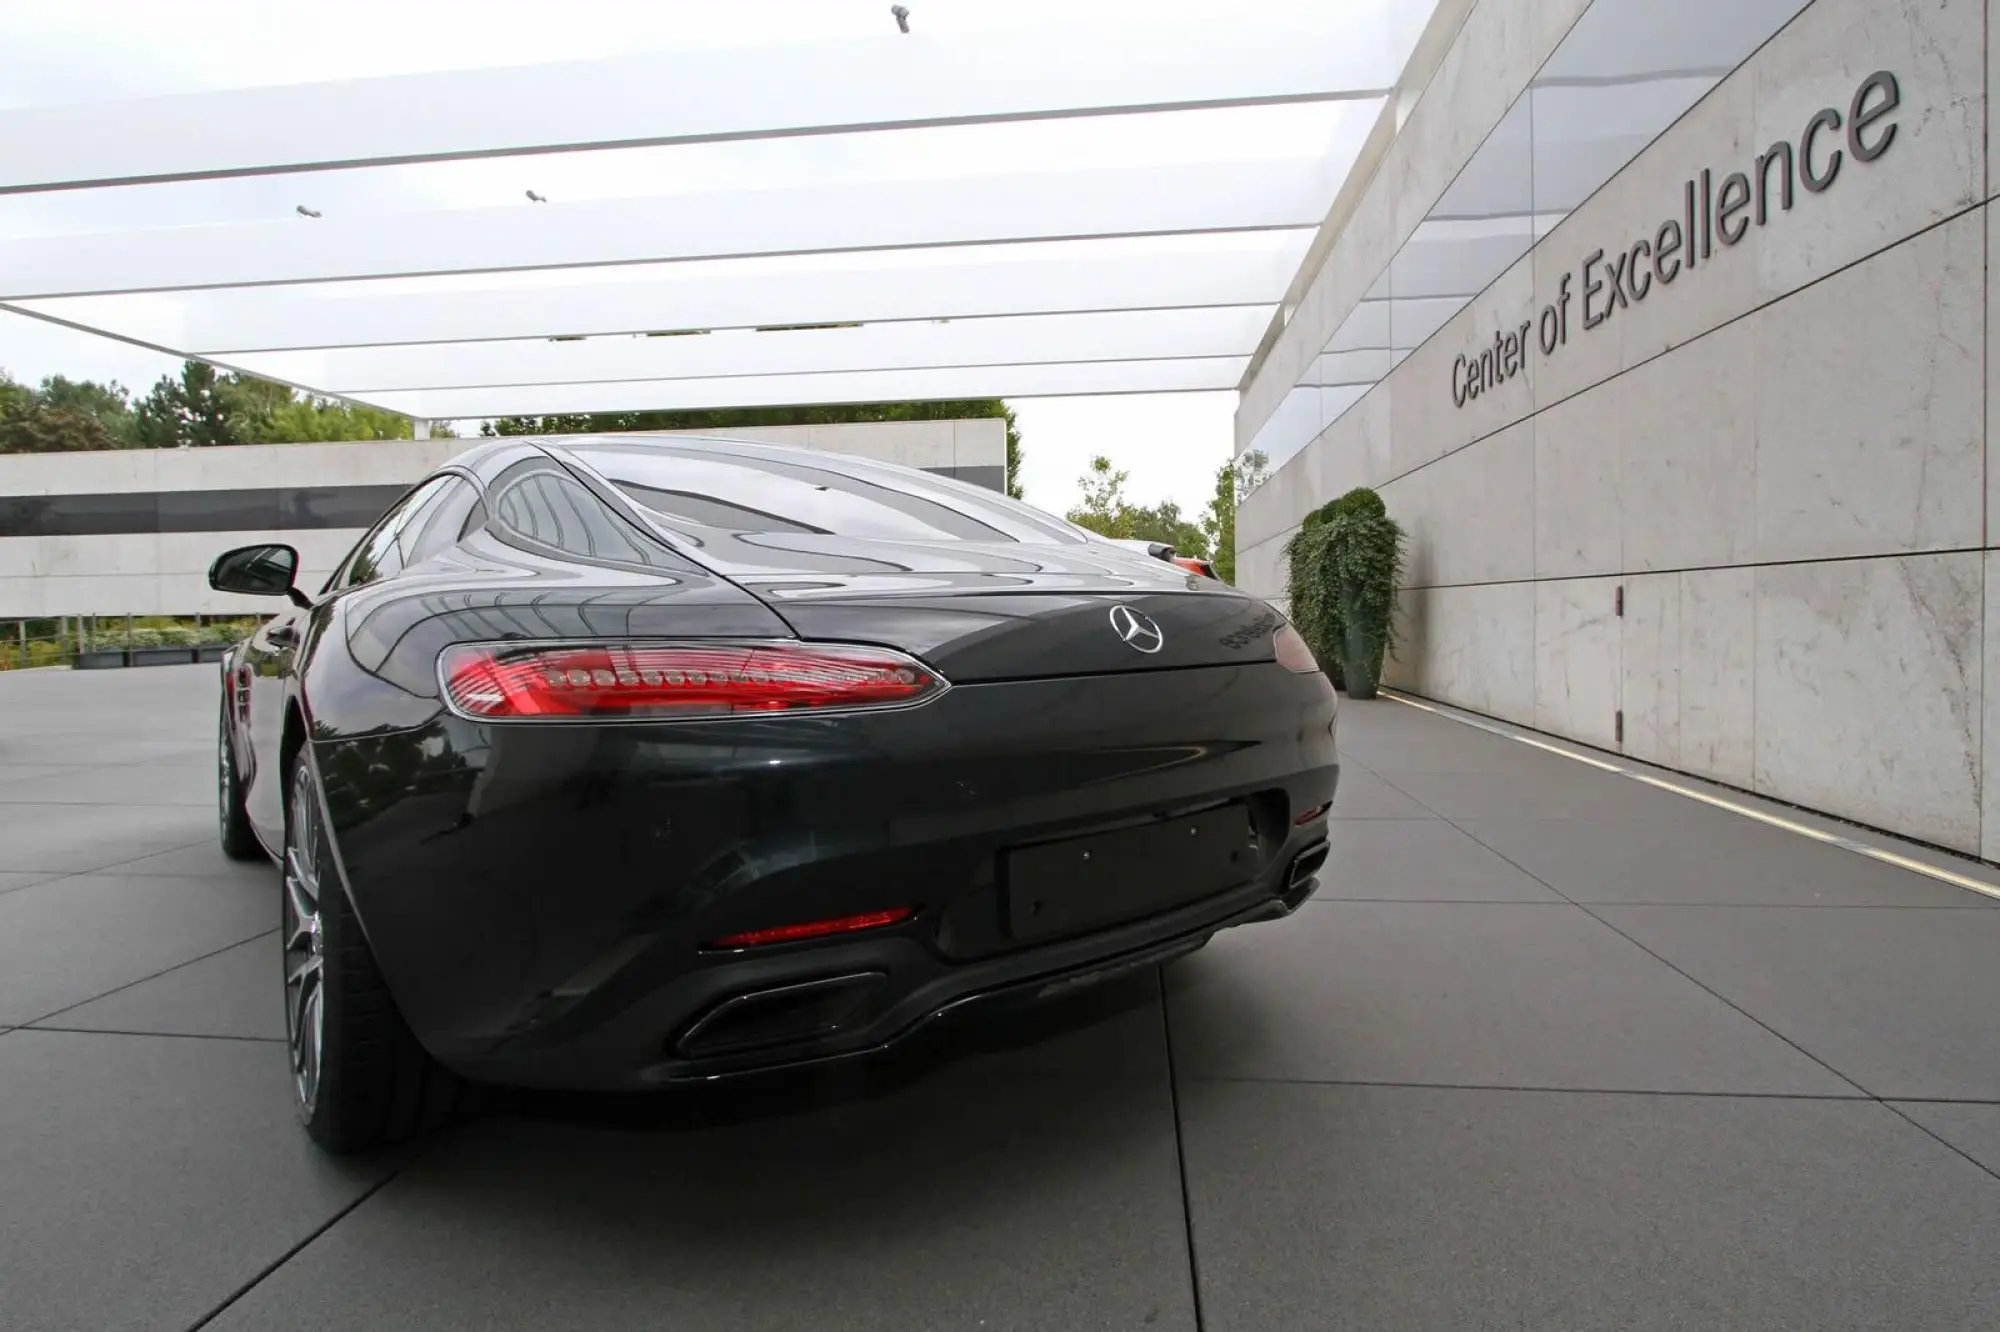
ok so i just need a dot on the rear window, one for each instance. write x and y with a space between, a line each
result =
541 505
802 501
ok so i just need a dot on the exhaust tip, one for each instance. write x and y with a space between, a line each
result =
1300 879
780 1015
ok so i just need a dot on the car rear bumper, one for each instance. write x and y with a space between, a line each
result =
539 898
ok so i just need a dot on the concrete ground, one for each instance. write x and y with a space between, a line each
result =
1552 1049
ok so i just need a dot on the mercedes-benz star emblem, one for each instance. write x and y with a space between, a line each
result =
1137 631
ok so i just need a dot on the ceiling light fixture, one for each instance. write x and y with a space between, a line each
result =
902 17
306 212
537 198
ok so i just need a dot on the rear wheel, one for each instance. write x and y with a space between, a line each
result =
238 842
358 1074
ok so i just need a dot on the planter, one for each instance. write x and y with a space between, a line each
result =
161 656
1362 668
99 659
211 652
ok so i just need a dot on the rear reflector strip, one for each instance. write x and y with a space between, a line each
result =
1309 815
815 929
652 681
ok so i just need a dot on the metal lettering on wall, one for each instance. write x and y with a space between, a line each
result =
1711 212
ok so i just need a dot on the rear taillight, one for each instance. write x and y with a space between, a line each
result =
815 929
659 681
1293 654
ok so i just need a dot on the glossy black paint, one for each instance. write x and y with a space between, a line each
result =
539 896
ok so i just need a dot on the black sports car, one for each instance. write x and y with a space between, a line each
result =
615 763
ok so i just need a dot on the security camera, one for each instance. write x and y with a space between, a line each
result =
902 17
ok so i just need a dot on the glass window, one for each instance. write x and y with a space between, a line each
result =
551 509
377 555
712 491
440 522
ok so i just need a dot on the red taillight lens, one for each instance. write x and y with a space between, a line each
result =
1293 654
815 929
506 682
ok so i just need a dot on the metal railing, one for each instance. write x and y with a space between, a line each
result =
87 642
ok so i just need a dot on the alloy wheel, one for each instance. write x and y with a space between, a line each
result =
305 955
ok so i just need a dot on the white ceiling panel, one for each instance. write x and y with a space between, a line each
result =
1090 60
1020 340
765 203
948 283
1210 197
1029 381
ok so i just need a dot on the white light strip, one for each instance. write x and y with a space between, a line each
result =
1937 872
1067 379
1045 278
1175 200
1240 57
1013 340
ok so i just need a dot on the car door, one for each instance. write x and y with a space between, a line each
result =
271 656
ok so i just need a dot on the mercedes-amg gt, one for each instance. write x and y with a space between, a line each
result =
620 763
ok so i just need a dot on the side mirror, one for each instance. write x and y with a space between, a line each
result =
258 571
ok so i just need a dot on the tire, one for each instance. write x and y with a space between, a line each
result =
359 1077
238 841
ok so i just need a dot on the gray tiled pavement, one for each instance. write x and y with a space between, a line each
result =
1552 1049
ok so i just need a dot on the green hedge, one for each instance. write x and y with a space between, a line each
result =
45 649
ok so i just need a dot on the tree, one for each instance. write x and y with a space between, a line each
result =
1105 510
205 407
12 395
1165 522
737 418
199 407
724 418
188 411
1233 484
33 421
107 403
1013 453
1220 521
315 419
28 427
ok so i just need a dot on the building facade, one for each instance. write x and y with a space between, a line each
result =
132 532
1663 329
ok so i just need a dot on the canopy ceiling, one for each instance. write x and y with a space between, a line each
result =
709 206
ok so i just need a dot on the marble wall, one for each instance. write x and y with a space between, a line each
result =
1783 462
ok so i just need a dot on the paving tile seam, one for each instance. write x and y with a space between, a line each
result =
117 989
1713 993
161 1035
99 801
1849 844
342 1214
1933 1134
73 873
1180 1147
163 851
1719 997
1616 903
1859 1097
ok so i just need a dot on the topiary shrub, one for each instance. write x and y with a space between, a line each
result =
1346 560
1309 617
